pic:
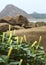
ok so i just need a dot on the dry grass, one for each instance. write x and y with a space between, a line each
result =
33 34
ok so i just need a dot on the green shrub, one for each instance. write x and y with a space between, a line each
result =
13 51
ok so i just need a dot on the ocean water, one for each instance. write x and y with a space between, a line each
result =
37 20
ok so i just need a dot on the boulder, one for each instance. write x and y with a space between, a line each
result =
21 20
4 27
18 22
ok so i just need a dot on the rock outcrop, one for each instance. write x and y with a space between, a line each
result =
18 22
21 20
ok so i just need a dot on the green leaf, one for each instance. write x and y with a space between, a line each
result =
1 60
14 63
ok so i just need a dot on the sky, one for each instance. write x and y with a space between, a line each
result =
29 6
